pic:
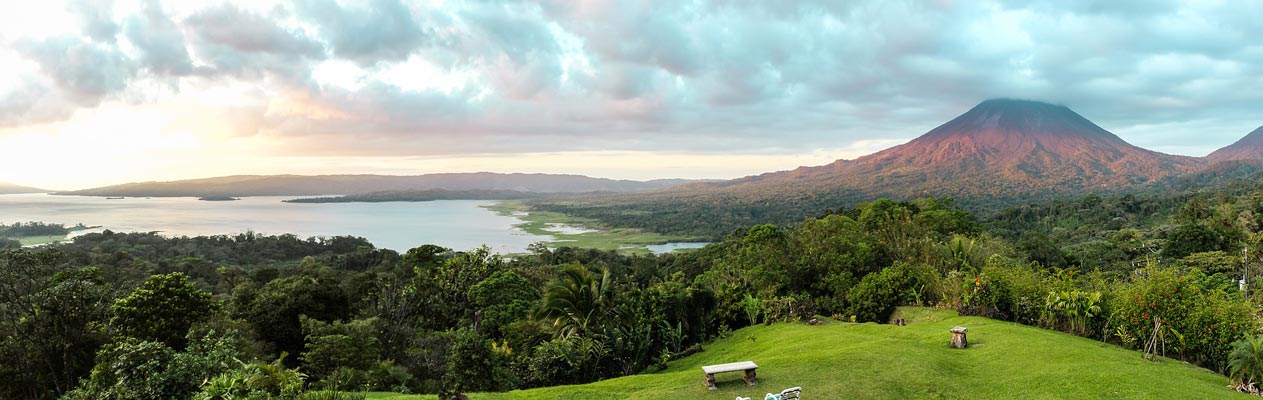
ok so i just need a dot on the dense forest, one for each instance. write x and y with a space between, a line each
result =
711 214
126 315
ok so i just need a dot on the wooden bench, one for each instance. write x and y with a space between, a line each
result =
747 366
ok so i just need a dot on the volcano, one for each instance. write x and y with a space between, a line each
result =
998 153
999 148
1249 148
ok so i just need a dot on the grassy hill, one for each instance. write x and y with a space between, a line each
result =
871 361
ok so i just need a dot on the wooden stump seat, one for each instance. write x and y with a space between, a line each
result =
958 337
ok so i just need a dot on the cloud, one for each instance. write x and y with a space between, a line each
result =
96 18
713 76
367 33
161 43
241 43
32 103
85 71
247 32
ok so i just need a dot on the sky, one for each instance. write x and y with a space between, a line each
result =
104 92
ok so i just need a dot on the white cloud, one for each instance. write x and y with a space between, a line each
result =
390 78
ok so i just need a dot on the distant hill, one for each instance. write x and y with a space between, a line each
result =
300 185
9 188
428 195
999 152
1249 147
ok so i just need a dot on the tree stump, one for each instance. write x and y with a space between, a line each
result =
958 337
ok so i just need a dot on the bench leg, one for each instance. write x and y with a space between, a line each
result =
750 380
710 382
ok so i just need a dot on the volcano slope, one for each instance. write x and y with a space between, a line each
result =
1000 152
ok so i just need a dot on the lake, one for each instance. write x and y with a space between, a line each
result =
455 224
670 247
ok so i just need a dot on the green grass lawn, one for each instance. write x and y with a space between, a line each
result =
631 241
47 239
872 361
38 240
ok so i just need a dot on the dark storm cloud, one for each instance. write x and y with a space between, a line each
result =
786 76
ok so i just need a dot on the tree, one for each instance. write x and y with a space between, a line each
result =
1195 237
274 308
874 299
502 298
51 324
332 345
162 309
473 366
444 286
575 300
1040 248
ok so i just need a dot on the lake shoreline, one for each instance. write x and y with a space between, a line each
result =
581 232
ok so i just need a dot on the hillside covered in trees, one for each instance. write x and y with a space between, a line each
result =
115 315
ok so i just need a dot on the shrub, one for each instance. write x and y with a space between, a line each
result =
162 309
874 299
333 395
254 381
1198 325
134 369
332 345
564 361
387 376
1073 309
1019 291
752 307
344 378
473 367
787 308
1245 362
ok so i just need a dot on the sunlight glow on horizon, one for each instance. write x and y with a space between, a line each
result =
176 158
136 90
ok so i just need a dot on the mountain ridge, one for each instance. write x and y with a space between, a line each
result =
10 188
1249 147
315 185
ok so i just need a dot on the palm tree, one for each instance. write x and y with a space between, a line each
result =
1245 362
575 300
